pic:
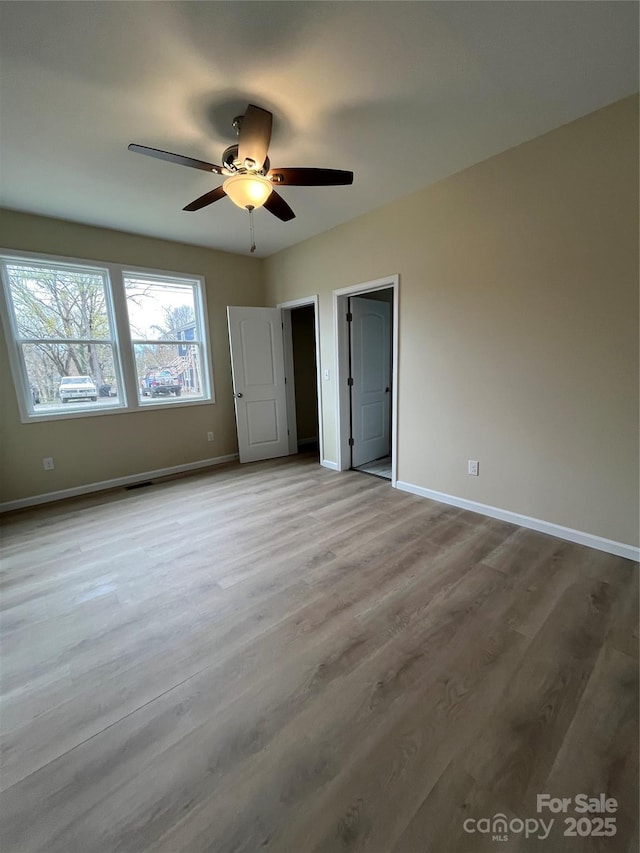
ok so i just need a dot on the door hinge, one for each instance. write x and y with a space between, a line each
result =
349 317
285 380
350 442
350 381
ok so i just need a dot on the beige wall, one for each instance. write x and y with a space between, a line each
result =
518 324
89 450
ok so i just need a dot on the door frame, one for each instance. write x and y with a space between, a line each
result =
286 308
341 337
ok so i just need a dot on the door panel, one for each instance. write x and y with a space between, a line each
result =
373 421
257 340
262 420
371 373
257 364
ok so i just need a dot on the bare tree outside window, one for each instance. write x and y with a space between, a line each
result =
62 319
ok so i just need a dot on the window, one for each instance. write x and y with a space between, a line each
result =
89 339
64 328
166 336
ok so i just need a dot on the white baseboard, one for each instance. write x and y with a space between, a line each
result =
327 464
102 485
630 552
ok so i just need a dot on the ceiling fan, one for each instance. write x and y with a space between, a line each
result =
250 180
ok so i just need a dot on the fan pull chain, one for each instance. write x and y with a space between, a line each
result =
252 233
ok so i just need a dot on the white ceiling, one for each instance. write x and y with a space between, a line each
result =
401 93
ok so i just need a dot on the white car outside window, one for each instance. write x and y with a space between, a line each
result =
77 388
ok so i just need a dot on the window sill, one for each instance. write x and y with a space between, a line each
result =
76 413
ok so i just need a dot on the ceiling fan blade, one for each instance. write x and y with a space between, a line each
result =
255 135
311 177
278 206
175 158
207 198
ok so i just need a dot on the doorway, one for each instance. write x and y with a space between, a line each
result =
268 348
301 359
370 319
366 321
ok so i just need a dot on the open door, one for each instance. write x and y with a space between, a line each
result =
370 329
257 364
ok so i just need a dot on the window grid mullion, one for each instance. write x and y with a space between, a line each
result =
87 341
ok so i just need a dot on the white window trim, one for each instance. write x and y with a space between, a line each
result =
125 367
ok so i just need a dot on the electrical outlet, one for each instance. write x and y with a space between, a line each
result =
209 436
472 467
47 463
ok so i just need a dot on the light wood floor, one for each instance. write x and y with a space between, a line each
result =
277 657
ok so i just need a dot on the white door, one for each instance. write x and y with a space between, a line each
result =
257 364
371 374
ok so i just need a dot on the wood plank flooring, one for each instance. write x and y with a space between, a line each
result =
277 657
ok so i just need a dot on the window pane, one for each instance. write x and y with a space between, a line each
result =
54 302
161 310
169 371
63 373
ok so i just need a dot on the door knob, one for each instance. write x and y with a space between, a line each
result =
239 394
387 390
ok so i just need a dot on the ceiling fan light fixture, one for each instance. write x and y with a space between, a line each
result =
251 185
248 191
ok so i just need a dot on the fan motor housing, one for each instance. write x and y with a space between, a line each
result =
232 164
